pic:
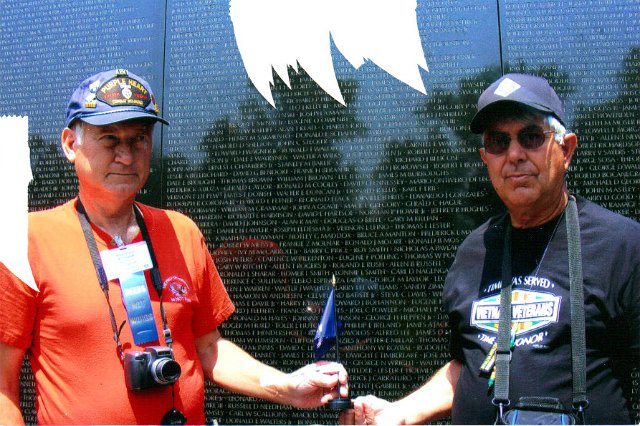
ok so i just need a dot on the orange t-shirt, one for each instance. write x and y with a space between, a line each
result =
67 328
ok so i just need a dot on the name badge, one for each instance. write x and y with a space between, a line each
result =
126 260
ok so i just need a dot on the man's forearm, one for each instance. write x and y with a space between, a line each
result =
10 413
10 363
233 369
241 373
433 400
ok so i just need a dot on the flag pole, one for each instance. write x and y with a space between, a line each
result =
335 322
340 403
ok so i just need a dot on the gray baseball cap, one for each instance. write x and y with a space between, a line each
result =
524 89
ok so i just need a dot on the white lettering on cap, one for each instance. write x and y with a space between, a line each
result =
506 87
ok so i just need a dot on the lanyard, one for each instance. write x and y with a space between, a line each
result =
102 276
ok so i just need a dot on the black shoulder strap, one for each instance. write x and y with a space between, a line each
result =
578 345
156 279
155 271
503 353
578 333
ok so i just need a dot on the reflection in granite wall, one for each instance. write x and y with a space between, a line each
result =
379 193
596 65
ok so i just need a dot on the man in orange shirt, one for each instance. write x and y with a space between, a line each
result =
102 260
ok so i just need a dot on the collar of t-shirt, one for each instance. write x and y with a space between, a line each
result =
528 246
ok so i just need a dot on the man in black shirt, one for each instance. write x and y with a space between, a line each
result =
527 151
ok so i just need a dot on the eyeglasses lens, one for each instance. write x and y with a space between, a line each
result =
498 142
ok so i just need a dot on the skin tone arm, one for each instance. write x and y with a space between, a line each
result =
232 368
10 363
430 402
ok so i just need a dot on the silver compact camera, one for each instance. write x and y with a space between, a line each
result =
152 367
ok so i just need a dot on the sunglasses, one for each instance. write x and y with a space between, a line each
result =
498 142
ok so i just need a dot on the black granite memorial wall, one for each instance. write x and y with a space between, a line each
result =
379 192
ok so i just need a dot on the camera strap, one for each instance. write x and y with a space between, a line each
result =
102 276
578 355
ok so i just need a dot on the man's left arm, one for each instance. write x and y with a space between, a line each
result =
232 368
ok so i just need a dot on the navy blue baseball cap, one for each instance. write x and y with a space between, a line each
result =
523 89
112 96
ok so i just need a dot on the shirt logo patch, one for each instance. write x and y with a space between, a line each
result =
530 310
178 289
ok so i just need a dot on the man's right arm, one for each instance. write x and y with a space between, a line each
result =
432 401
10 364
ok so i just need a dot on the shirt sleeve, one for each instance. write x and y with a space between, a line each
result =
633 310
215 305
17 310
450 306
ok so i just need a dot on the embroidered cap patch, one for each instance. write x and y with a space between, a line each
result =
124 91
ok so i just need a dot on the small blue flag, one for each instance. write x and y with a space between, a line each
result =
327 332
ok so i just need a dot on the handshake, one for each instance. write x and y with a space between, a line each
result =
371 410
432 401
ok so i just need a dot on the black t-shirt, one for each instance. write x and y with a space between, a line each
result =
541 362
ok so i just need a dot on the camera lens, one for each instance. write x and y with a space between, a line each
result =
165 371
